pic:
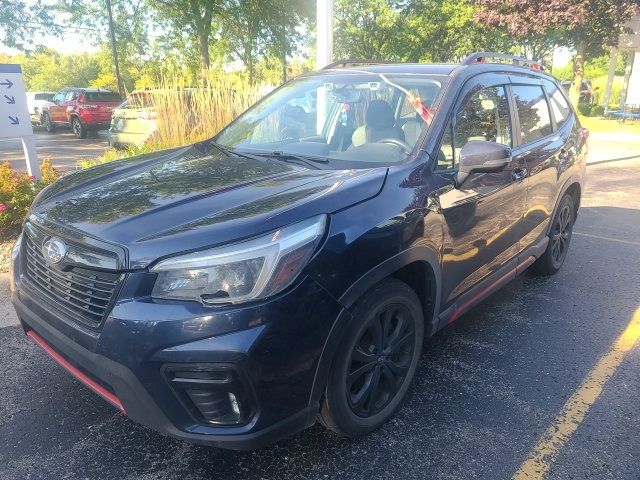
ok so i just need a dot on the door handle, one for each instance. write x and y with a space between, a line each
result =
518 174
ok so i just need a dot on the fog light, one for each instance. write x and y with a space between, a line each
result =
235 406
215 406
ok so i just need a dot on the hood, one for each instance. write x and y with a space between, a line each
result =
194 197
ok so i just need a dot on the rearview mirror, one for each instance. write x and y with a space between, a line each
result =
479 156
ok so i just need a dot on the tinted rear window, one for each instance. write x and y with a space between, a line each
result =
533 111
102 97
559 105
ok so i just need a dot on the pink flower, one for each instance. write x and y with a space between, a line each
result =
3 207
32 178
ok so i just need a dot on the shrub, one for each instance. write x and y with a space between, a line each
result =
188 113
584 109
597 111
17 191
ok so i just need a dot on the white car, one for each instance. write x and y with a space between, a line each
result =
36 101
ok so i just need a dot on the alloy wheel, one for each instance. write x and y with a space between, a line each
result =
561 235
380 360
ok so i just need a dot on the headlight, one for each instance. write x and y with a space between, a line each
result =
244 271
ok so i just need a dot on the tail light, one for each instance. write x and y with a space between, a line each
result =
584 133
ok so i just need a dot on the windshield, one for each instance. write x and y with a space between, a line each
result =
353 119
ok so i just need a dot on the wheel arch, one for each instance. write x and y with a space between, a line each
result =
419 267
573 186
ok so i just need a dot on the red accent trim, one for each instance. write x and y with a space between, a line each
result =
99 389
485 291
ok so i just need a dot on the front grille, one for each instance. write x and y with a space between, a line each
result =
84 295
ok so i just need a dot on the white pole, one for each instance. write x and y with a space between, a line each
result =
324 42
29 147
324 52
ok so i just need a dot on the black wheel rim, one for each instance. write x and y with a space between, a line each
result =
561 235
380 360
76 127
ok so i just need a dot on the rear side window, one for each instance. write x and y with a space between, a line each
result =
101 97
533 112
43 96
559 105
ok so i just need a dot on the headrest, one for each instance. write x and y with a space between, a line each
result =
380 115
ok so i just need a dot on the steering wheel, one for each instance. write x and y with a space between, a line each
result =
398 143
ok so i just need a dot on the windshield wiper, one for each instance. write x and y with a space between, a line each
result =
230 152
294 158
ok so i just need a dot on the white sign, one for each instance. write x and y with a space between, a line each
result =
14 114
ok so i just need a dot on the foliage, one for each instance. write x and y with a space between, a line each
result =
17 191
189 114
19 20
588 26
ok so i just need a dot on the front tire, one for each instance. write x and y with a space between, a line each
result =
48 124
376 360
79 130
559 238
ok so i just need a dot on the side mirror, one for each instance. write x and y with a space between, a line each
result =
479 156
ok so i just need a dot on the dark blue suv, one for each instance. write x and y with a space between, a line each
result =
288 270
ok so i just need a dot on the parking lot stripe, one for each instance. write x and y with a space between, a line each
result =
611 239
574 411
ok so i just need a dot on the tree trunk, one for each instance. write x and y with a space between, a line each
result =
578 73
283 59
203 46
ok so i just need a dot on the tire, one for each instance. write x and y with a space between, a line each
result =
559 238
79 130
48 124
372 371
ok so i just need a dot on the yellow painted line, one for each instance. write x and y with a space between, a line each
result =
610 239
543 455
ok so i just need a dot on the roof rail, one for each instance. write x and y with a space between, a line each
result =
481 57
352 63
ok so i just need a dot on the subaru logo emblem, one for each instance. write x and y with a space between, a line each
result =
54 250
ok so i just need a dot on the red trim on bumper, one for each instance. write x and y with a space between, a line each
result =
520 267
89 382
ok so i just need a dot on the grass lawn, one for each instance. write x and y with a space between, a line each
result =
595 124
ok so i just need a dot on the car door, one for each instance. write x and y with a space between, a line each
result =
56 110
483 215
543 151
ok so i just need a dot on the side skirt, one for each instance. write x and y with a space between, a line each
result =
489 285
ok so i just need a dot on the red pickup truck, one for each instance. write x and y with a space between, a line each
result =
83 109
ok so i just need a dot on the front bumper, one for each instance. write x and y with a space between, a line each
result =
275 347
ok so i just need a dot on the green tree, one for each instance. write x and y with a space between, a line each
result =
19 22
196 16
588 26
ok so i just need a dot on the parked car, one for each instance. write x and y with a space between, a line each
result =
287 271
134 121
587 92
83 109
36 102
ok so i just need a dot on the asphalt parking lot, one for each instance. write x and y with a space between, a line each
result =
487 389
64 149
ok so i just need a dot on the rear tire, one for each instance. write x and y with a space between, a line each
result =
79 130
559 238
48 124
376 360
